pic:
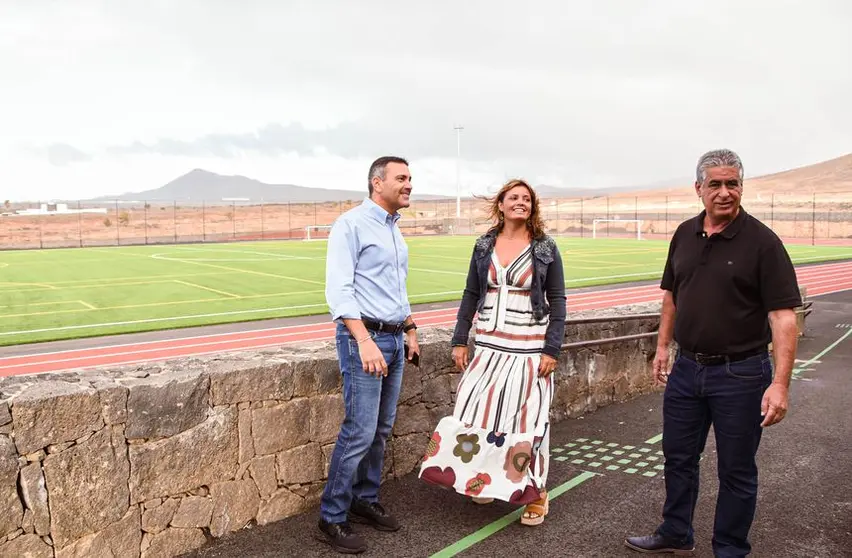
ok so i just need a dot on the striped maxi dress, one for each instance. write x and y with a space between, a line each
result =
496 442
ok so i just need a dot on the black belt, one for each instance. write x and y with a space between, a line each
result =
382 327
710 360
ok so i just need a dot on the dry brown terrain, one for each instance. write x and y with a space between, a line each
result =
812 202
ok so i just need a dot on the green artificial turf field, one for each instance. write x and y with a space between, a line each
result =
68 293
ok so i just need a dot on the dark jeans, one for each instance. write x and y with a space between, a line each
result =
370 402
729 397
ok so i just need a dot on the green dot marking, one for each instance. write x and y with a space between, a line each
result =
618 452
561 458
630 471
607 458
578 462
624 461
649 474
629 447
612 467
635 455
590 456
641 464
595 464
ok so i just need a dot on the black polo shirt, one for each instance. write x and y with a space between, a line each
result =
725 284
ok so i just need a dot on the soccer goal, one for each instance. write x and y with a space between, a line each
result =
317 232
637 222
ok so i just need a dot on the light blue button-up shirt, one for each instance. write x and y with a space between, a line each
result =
367 266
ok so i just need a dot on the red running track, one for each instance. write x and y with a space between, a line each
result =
819 280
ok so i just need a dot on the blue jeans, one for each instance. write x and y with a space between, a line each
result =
358 457
728 396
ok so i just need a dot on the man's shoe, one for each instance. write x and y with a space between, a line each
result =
372 513
341 537
658 544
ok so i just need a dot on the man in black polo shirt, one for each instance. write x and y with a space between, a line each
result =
730 290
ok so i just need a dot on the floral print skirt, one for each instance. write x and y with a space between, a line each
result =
496 442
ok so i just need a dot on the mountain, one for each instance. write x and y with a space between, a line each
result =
200 185
834 175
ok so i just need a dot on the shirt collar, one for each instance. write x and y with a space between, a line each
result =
378 212
728 232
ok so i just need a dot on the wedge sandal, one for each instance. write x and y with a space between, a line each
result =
534 513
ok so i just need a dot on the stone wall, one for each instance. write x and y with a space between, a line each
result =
156 460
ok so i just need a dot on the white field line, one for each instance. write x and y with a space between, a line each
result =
799 260
248 271
202 287
271 256
41 304
155 320
645 274
118 281
437 271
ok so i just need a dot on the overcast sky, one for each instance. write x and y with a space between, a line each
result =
110 96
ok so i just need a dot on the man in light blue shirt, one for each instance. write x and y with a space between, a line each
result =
366 270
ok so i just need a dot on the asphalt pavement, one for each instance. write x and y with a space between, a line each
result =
805 495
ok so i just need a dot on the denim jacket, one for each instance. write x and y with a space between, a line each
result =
547 295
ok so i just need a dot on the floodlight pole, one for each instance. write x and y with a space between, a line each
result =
458 130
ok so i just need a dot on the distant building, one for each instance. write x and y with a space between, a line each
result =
54 209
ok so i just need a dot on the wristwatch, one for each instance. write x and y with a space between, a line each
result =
409 327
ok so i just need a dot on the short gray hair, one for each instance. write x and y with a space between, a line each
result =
717 158
378 167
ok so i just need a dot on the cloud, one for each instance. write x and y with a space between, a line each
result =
601 93
61 154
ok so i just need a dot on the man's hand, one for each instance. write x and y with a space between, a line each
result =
661 364
546 365
664 338
774 404
372 359
413 345
460 355
785 335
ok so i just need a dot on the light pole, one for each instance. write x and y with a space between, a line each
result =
458 130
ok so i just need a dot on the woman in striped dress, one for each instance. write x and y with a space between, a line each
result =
496 442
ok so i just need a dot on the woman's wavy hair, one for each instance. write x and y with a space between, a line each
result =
535 224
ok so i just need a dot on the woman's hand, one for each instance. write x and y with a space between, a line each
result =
460 355
546 365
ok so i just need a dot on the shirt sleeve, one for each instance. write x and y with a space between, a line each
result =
667 282
341 258
406 306
779 287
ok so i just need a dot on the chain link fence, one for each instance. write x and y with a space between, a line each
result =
812 218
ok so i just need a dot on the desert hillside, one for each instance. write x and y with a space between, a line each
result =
834 175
